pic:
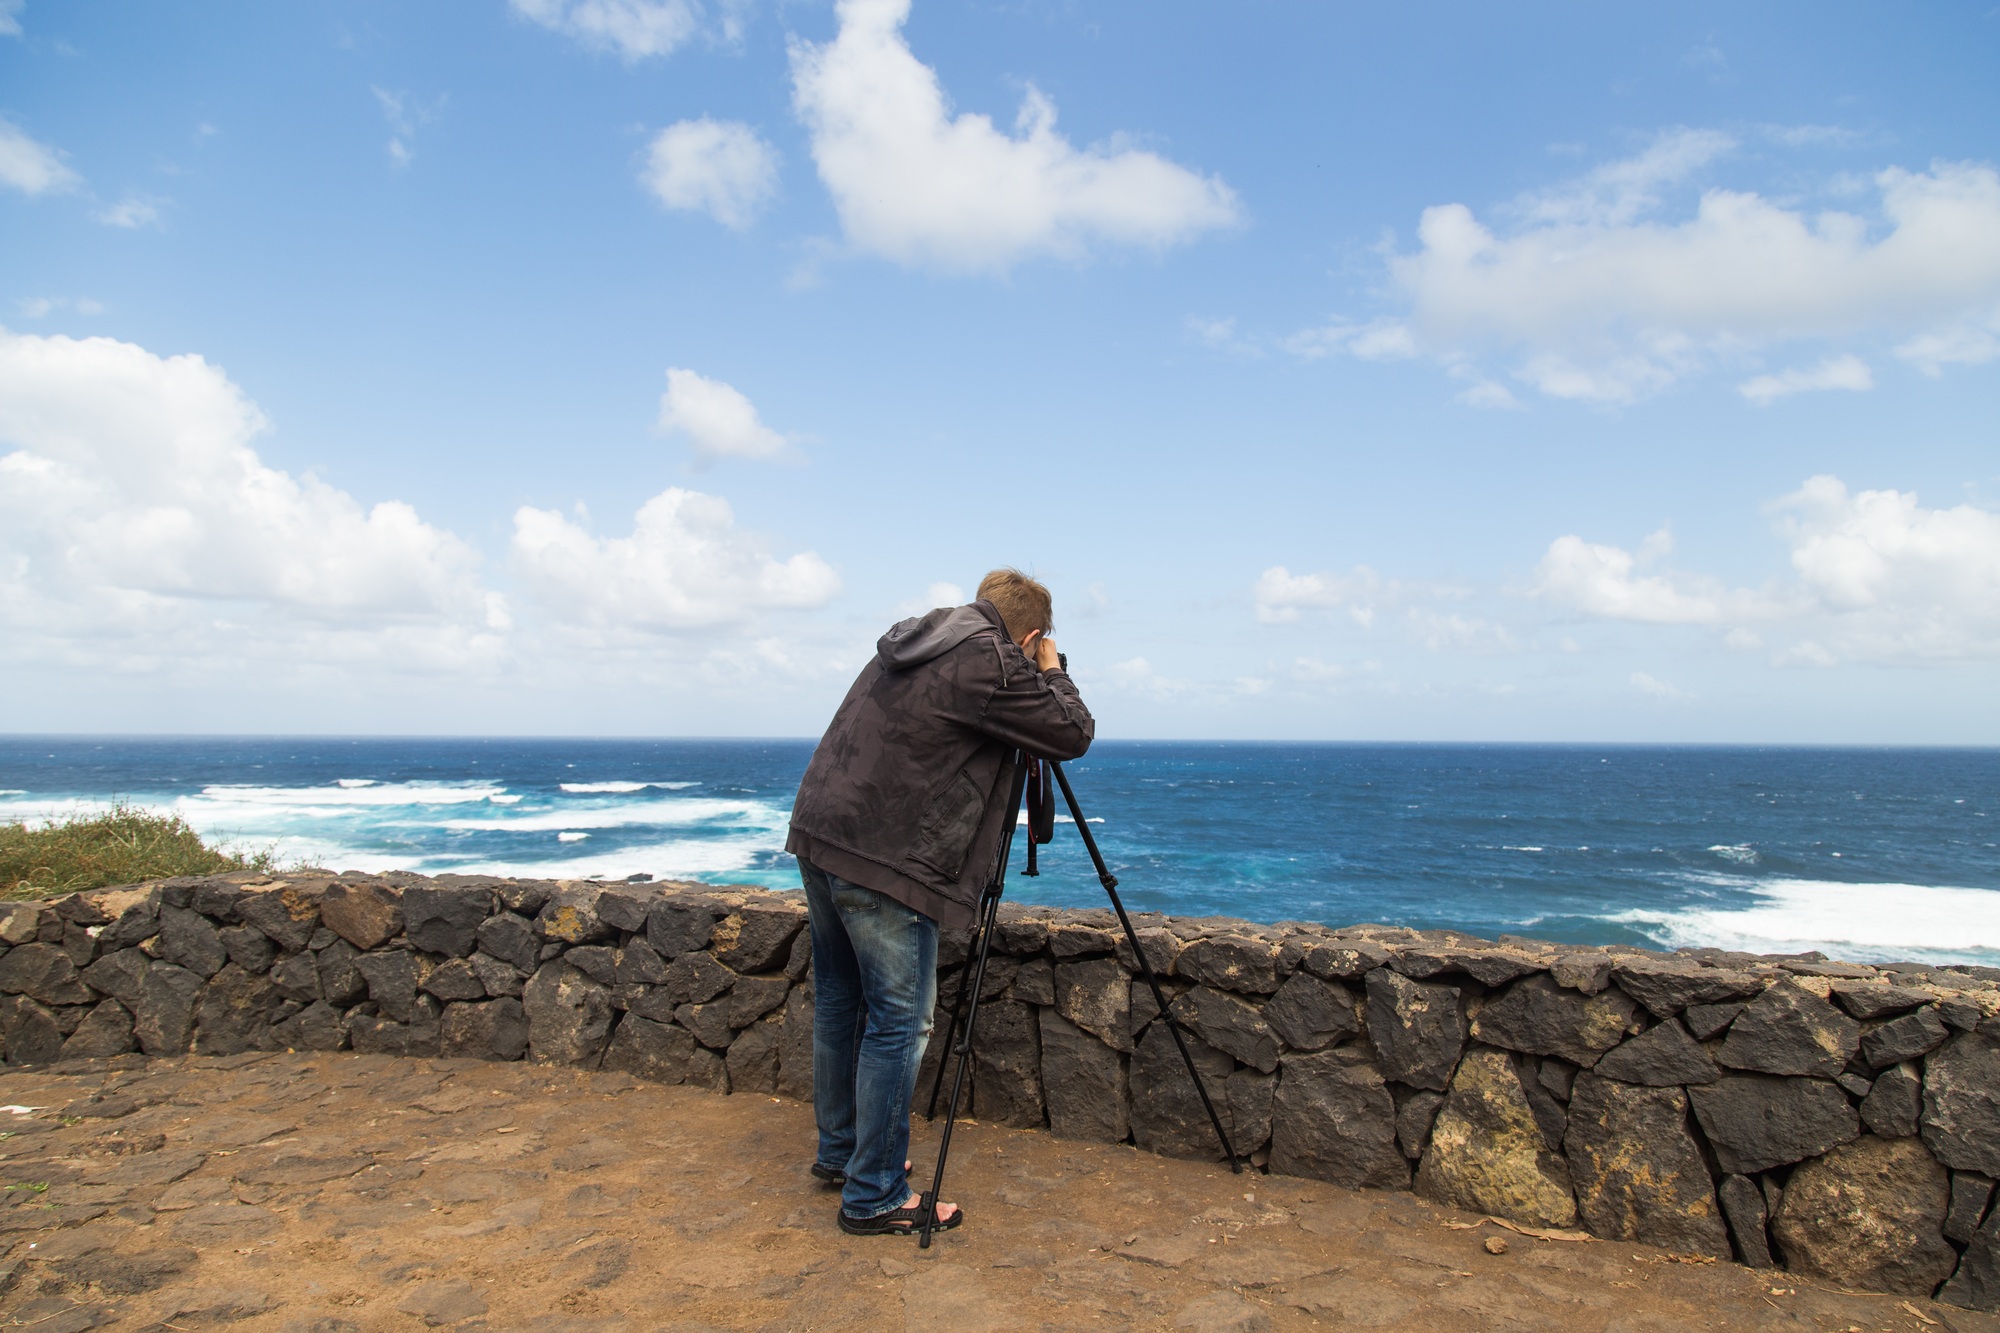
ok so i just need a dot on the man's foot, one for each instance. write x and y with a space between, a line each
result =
905 1221
834 1177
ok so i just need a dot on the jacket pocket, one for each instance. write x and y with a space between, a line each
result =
950 823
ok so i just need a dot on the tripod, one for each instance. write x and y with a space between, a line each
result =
1041 829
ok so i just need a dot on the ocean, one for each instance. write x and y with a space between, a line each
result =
1865 854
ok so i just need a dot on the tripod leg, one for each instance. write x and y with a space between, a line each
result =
1110 883
989 916
975 946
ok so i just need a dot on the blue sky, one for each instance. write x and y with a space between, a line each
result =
1554 372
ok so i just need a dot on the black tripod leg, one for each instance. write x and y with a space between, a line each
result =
989 916
1110 883
974 946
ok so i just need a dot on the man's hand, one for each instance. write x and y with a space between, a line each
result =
1042 648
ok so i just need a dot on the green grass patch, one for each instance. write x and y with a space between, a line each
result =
121 845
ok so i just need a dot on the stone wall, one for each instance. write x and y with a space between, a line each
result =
1833 1119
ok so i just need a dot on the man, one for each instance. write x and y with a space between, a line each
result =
897 827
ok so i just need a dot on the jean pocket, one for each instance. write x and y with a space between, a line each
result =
853 898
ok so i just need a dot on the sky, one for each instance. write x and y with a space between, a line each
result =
1543 372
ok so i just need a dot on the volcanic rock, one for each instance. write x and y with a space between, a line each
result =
1084 1083
752 1058
107 1030
1706 1020
1418 1029
1866 1000
317 1027
675 926
120 974
248 947
1308 1014
186 938
1229 1024
795 1044
511 939
1758 1121
1961 1123
445 920
30 1031
487 1030
1334 1120
757 939
1586 972
1970 1193
1487 1152
340 982
1414 1119
1743 1207
366 915
393 977
1167 1114
1638 1172
1007 1065
569 1016
1904 1038
1248 1099
1868 1214
1241 963
163 1020
1660 1057
234 1012
696 978
1347 960
1096 995
45 973
1668 985
285 916
1894 1103
1976 1284
1790 1030
570 914
656 1052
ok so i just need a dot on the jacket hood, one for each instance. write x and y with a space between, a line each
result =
933 634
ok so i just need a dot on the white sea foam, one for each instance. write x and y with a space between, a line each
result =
248 798
1741 853
355 782
682 811
680 859
12 791
1859 922
593 787
571 836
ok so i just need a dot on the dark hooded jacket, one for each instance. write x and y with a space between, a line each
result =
905 794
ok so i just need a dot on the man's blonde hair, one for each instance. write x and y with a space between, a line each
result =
1023 603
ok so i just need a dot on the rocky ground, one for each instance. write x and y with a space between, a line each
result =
333 1192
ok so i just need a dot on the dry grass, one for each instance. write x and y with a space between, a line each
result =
119 846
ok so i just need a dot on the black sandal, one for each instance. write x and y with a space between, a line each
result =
899 1221
827 1175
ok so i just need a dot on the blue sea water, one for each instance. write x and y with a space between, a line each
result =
1871 854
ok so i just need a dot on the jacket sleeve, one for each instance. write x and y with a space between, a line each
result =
1040 712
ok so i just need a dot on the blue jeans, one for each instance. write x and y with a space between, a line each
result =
874 987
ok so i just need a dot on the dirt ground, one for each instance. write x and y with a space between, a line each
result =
334 1193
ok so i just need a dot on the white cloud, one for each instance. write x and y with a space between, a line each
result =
1876 578
135 506
918 185
634 29
1836 372
405 115
1279 595
721 168
132 212
38 307
10 17
716 419
685 566
31 167
1654 686
1595 292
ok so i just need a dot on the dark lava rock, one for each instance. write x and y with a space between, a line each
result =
107 1030
1007 1065
490 1030
1229 1024
285 916
1660 1057
1961 1123
1308 1014
317 1027
1894 1103
1167 1114
597 961
1539 1017
753 997
1904 1038
675 926
1976 1284
249 948
511 939
709 1023
1790 1030
340 982
393 977
1869 1214
234 1012
657 1052
1487 1150
445 921
1069 938
163 1020
1083 1082
1758 1121
1020 930
523 896
752 1059
366 915
1743 1206
1163 950
1668 985
1557 1077
30 1031
624 909
1414 1119
136 924
1418 1029
569 1016
1867 1000
1970 1193
1096 995
188 938
456 980
119 975
118 1272
1586 972
1242 963
757 939
639 964
1248 1099
1346 960
696 978
570 915
1638 1171
1035 983
1335 1121
1706 1020
795 1045
44 972
498 978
